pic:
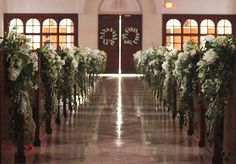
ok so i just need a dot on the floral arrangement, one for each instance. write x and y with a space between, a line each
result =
168 66
215 73
68 73
56 69
149 63
186 74
22 66
169 85
96 60
51 67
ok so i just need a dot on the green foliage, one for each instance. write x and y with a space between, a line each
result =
215 72
21 70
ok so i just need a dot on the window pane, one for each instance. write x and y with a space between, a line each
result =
49 26
177 39
202 40
194 38
35 41
186 39
50 40
66 26
228 30
18 24
177 30
66 39
211 30
177 46
190 27
207 27
67 44
220 30
224 26
186 30
203 30
173 42
169 42
173 26
32 26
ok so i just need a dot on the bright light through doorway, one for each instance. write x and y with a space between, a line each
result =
120 25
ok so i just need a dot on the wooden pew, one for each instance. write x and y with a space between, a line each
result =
6 142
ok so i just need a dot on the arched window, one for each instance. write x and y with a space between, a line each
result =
18 24
207 27
194 27
66 32
224 27
190 30
33 32
173 34
49 32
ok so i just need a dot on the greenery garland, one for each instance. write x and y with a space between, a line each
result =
68 73
216 72
51 66
186 75
169 80
21 75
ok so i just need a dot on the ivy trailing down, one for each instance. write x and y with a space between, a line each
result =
22 66
185 73
51 69
216 73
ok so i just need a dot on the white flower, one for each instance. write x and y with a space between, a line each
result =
166 66
209 38
156 72
193 52
19 63
218 81
152 63
201 63
52 55
34 61
34 55
74 63
13 74
201 75
185 46
220 40
35 66
62 62
210 56
183 56
173 52
23 106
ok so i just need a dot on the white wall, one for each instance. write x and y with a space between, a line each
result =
88 24
2 6
44 6
152 24
130 6
200 6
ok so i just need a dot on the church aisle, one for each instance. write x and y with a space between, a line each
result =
119 124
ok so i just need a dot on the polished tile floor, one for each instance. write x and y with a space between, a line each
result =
119 124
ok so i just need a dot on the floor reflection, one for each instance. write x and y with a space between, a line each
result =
119 124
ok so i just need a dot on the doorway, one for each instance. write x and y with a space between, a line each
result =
120 36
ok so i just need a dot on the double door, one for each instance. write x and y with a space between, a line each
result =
120 36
